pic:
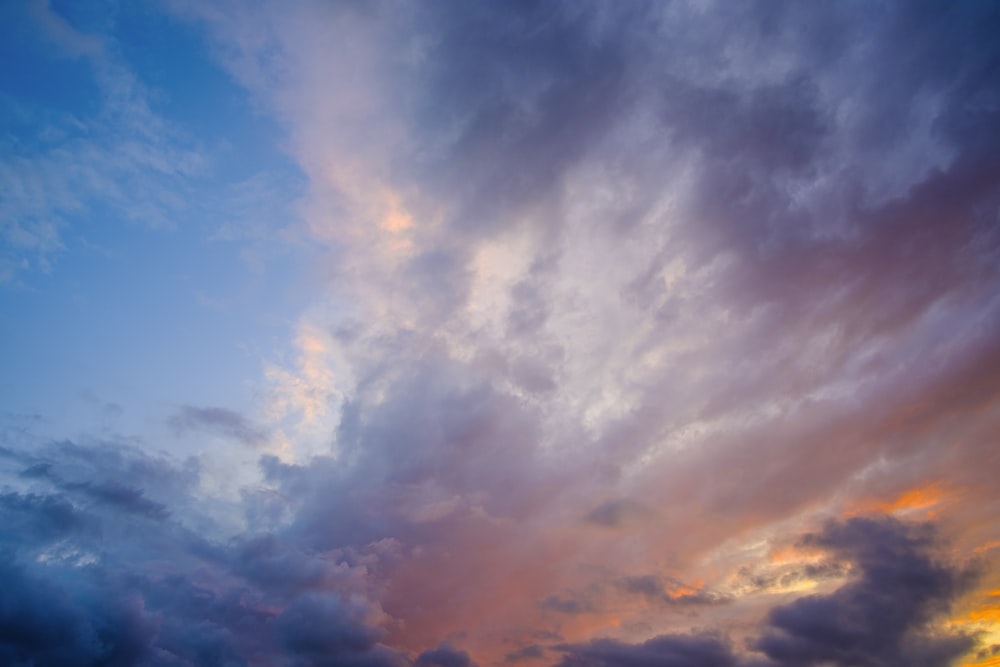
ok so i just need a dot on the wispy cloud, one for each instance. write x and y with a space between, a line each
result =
222 421
122 158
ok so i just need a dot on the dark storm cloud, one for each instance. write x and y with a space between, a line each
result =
326 629
44 623
84 586
87 462
221 421
671 651
97 615
95 473
208 621
270 563
881 617
40 518
278 564
123 497
444 656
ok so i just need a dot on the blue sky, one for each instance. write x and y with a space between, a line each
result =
162 265
457 334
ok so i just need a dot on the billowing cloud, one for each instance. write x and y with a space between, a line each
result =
882 616
444 656
45 624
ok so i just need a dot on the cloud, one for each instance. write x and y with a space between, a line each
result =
882 616
41 622
565 605
613 298
613 513
699 258
673 651
669 591
63 165
444 656
86 585
531 652
96 472
222 421
329 630
122 496
41 518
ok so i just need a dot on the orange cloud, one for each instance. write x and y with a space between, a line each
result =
792 554
989 662
682 590
983 621
923 498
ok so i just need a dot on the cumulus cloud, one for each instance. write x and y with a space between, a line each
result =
444 656
881 617
43 623
329 630
674 651
86 585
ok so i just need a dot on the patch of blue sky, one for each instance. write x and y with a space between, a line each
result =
33 77
155 271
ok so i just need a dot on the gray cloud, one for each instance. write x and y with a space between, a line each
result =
87 586
672 651
221 421
41 518
613 513
44 623
665 590
330 630
883 617
530 652
124 497
444 656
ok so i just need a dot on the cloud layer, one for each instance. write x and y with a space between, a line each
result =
641 334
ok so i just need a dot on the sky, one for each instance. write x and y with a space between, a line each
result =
384 333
